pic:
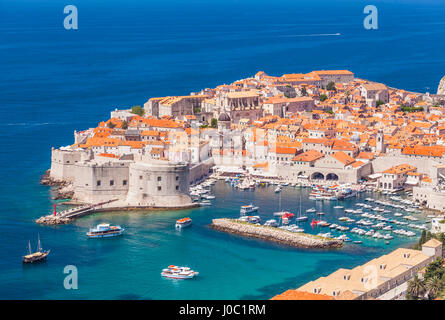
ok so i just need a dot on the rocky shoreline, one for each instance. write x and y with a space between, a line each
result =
63 189
276 235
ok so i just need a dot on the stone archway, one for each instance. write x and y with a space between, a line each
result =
332 177
317 176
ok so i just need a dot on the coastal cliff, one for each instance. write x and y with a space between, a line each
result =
285 237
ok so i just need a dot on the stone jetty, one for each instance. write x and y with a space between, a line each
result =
53 220
301 240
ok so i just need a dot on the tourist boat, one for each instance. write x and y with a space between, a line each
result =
105 230
183 223
38 256
174 272
248 209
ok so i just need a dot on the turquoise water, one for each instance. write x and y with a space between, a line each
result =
55 81
231 267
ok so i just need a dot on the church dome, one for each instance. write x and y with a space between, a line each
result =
223 117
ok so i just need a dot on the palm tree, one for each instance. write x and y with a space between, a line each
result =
416 287
433 286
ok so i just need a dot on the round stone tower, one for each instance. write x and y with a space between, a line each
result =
441 88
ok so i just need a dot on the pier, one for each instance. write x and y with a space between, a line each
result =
301 240
68 215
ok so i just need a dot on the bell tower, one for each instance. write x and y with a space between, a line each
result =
380 146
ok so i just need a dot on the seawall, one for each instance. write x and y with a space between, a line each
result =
301 240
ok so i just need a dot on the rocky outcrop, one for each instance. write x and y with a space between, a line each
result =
52 220
441 88
281 236
62 189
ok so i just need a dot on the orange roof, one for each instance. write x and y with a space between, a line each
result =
301 295
343 158
402 168
308 156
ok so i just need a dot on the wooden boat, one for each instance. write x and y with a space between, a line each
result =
38 256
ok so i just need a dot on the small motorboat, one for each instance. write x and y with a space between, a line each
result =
358 241
205 203
183 223
311 210
278 190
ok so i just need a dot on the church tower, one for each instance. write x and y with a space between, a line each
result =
380 146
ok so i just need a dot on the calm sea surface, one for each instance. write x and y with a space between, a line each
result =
54 81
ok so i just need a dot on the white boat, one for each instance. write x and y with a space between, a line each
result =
278 190
311 210
174 272
248 209
338 207
300 217
183 223
205 203
271 223
105 230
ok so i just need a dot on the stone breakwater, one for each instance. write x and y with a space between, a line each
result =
300 240
53 220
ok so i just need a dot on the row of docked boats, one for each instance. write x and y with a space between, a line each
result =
201 193
333 193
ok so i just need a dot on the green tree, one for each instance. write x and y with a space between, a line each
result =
124 124
379 103
214 123
416 288
138 110
323 97
304 91
330 86
433 287
110 125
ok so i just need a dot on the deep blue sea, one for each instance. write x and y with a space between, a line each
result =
54 81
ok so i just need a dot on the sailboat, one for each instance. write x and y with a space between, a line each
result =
300 217
38 256
279 213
